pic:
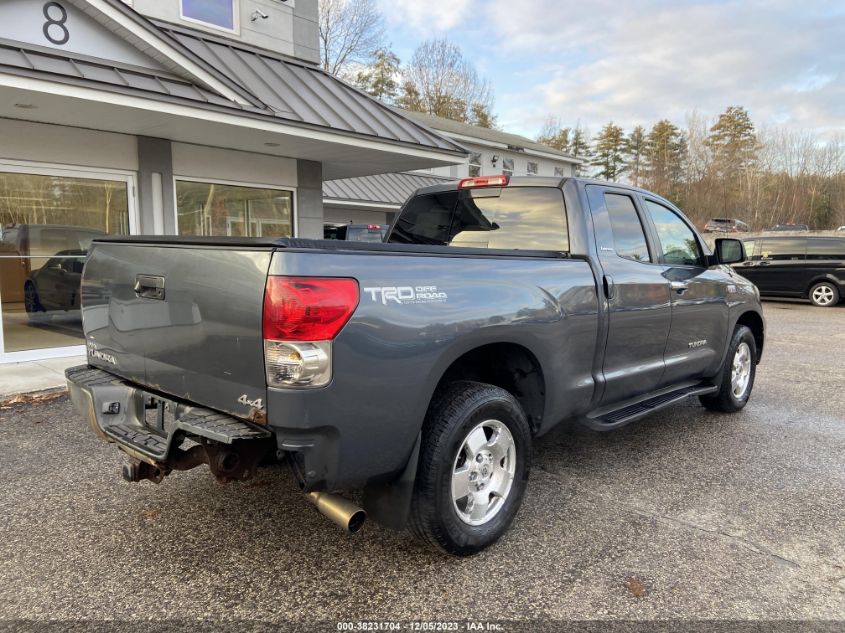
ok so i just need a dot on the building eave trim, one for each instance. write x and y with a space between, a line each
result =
224 117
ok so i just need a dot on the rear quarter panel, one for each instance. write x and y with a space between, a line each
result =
389 358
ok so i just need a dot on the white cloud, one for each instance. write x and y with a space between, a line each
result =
429 18
636 62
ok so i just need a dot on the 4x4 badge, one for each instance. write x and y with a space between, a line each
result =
258 403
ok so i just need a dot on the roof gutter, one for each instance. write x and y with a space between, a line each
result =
505 147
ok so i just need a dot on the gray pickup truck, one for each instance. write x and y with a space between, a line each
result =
418 371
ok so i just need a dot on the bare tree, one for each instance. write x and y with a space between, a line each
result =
350 31
441 81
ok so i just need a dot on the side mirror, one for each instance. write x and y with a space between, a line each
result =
729 251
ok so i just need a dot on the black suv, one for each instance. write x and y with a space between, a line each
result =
806 267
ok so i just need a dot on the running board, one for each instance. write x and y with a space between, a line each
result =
607 420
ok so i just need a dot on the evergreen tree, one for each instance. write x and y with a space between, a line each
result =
734 147
665 153
380 78
579 146
733 142
481 116
635 146
609 152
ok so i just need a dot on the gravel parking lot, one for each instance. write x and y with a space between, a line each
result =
685 515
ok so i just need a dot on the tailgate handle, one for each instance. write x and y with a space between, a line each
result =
150 287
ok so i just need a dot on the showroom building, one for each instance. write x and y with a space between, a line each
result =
168 117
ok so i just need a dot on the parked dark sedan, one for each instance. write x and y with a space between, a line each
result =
804 267
54 286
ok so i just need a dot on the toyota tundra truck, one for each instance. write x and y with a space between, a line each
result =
414 375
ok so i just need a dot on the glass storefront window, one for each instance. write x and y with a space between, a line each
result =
47 223
215 209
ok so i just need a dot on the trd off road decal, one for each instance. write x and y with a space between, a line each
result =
404 295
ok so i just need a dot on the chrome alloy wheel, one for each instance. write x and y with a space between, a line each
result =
483 472
822 295
741 370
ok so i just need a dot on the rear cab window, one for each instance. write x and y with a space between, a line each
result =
515 218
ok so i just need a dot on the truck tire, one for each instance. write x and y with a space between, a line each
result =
473 468
738 374
824 294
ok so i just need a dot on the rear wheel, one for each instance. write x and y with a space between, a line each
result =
473 468
824 294
738 374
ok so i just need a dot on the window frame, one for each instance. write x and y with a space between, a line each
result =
236 19
528 171
704 252
236 183
476 165
505 170
60 170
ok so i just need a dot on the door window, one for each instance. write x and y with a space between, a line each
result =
677 240
628 234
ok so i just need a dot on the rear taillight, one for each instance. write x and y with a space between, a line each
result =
302 315
307 308
484 181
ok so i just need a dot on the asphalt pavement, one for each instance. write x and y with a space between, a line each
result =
685 515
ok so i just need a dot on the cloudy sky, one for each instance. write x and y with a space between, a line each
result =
636 61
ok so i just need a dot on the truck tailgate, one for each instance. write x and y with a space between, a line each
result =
182 319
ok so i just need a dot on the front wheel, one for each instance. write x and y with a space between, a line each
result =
824 294
473 468
32 304
738 374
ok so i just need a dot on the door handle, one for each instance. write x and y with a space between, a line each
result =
764 263
149 287
679 286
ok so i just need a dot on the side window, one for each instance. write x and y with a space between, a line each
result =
677 240
826 248
749 249
783 249
628 234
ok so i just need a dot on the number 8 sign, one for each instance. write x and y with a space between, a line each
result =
55 23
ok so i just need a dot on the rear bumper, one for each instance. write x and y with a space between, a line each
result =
117 411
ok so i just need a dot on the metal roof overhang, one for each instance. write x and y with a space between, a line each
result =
342 154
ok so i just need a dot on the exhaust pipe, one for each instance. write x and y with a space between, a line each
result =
339 510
